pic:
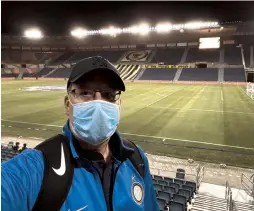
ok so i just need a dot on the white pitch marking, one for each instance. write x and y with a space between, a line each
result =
164 97
148 136
245 92
32 123
221 96
193 109
184 140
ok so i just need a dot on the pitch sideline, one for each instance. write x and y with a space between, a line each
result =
141 135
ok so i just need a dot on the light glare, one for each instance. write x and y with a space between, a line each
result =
33 33
163 27
79 33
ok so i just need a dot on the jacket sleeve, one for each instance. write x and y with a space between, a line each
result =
151 203
21 180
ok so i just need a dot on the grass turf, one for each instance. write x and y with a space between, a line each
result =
204 122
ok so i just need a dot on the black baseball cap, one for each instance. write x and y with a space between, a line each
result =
90 64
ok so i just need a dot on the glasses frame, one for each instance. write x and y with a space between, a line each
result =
93 92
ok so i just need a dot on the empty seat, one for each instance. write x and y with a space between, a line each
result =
158 177
179 181
158 187
174 185
190 188
185 193
164 195
175 206
162 182
161 203
155 181
192 184
168 179
170 190
180 199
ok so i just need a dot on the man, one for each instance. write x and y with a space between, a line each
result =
106 175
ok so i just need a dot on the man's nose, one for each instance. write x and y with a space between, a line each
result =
97 96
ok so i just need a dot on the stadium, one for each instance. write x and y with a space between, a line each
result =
189 102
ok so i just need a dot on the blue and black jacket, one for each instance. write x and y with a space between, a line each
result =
22 178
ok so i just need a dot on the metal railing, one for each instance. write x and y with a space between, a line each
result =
248 184
200 175
228 197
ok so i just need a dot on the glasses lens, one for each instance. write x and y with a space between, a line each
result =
110 95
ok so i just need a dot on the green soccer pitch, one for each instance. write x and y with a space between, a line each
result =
204 122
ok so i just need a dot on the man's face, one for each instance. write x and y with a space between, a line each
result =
80 91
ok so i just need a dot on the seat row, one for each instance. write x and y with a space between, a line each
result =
172 205
166 199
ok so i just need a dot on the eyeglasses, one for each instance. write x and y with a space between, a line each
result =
87 95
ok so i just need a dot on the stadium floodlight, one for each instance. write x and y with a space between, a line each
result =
163 27
133 30
177 26
112 31
144 29
80 33
194 25
33 33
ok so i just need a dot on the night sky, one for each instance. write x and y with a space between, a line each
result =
58 18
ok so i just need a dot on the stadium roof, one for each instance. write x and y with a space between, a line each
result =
96 15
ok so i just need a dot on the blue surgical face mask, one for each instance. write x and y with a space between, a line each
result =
95 121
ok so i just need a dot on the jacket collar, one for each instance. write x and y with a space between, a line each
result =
119 151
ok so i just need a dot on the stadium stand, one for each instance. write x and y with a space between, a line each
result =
7 152
9 75
81 55
199 74
233 55
174 193
234 74
131 73
44 57
60 73
112 56
197 55
168 56
158 74
246 51
61 59
44 72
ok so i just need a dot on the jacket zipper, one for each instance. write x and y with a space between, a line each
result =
112 186
97 178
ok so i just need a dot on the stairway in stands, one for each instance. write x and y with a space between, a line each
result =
221 70
183 59
210 203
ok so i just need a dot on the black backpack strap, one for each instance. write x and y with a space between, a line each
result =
136 158
55 185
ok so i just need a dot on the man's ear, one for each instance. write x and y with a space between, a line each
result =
66 105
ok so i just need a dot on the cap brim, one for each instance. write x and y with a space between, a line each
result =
119 84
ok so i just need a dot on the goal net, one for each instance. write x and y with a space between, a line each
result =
250 90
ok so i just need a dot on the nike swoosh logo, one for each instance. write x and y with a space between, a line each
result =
62 168
80 208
